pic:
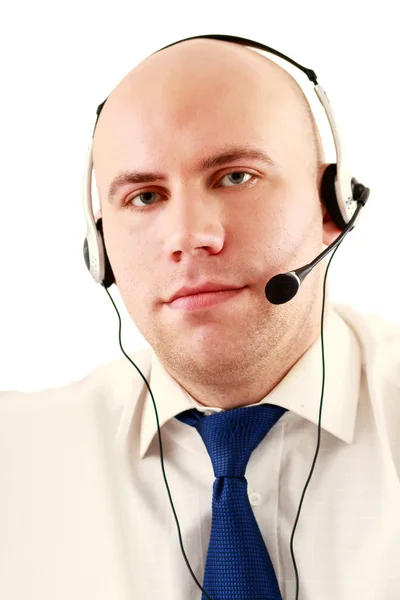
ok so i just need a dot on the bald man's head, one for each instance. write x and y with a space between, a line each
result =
196 60
208 166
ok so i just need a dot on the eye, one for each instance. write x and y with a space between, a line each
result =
235 178
145 197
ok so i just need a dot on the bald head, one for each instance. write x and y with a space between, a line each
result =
172 83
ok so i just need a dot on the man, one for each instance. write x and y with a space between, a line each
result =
236 223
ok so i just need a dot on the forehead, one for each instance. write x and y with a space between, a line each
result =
194 104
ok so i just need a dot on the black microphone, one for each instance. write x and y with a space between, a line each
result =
283 287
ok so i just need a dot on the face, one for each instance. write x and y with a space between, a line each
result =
238 223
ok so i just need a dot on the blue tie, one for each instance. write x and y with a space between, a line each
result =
238 566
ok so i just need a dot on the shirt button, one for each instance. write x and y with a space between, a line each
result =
208 412
255 498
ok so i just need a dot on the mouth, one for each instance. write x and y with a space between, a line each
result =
203 300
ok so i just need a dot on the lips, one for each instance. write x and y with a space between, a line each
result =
204 300
201 289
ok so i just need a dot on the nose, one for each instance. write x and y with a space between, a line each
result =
194 224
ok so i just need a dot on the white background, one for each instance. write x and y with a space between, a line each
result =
60 60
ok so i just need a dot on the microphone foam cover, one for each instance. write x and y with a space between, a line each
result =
282 288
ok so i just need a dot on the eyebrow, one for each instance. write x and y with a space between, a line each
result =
228 155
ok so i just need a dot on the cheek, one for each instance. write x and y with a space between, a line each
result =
270 217
131 261
283 230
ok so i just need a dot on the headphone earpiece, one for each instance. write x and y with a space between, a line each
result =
109 277
328 194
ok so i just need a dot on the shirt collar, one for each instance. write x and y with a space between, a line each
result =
299 391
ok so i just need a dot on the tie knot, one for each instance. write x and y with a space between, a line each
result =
231 436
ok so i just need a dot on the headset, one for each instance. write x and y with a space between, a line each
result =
344 197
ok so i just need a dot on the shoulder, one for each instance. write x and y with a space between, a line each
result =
380 326
112 383
370 327
378 336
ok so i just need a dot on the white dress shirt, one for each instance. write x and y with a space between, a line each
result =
347 542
